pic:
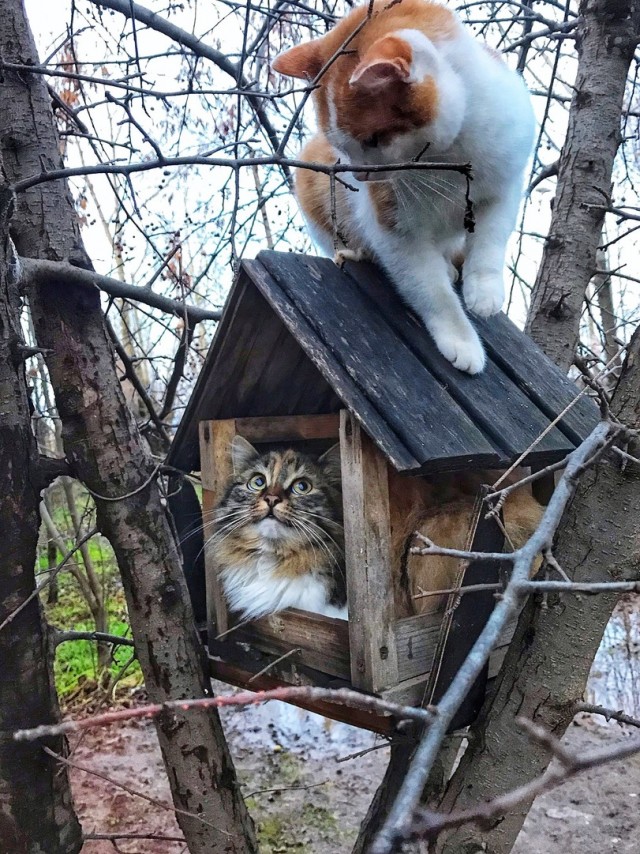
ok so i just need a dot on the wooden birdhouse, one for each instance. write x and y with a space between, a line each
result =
307 354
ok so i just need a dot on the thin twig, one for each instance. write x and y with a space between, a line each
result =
50 577
342 696
130 791
429 825
608 714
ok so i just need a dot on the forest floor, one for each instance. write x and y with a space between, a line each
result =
306 797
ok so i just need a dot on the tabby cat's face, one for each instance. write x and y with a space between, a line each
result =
280 495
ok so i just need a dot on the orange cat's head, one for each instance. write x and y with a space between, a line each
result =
387 92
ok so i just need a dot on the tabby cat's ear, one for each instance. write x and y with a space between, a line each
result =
242 452
303 60
330 463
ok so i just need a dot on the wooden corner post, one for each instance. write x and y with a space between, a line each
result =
367 530
215 471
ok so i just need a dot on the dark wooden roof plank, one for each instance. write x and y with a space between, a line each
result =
547 386
519 423
388 441
410 399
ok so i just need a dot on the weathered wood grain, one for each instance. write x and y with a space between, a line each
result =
323 641
423 415
522 360
289 428
492 400
367 534
215 471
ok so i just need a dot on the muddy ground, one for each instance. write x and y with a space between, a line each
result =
308 796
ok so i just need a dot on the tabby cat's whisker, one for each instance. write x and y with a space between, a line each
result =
323 531
318 539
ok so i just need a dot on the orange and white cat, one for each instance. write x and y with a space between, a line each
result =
409 84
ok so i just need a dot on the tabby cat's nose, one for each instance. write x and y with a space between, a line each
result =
272 500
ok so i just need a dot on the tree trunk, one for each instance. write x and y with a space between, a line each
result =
548 662
36 808
606 39
108 455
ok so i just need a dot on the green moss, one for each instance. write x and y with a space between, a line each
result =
288 769
76 662
318 817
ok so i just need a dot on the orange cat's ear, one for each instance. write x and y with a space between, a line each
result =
375 75
303 61
387 61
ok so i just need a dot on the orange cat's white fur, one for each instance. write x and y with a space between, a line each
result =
411 84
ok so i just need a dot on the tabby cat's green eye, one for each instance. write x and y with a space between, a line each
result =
301 487
256 483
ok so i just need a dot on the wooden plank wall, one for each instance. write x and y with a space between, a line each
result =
367 534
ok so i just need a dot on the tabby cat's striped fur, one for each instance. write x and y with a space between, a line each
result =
278 540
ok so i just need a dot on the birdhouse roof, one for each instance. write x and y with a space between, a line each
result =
299 336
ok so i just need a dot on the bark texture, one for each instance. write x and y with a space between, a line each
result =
606 39
108 454
36 808
548 662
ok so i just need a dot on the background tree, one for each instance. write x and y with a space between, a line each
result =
31 783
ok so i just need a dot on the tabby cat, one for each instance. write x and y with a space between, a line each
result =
278 540
413 84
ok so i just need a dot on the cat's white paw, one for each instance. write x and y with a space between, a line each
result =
483 293
465 354
343 255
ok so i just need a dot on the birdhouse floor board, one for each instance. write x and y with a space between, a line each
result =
422 413
519 423
233 675
322 642
416 643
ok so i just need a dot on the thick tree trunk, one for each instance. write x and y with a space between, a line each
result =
107 453
606 38
36 808
548 662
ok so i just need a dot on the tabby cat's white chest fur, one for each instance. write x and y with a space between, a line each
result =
256 590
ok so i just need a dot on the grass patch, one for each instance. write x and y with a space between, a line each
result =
76 662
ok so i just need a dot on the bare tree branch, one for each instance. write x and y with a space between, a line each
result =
38 271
